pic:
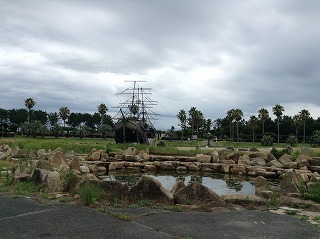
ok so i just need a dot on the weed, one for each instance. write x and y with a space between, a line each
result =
317 219
46 195
312 193
189 202
116 202
274 200
174 208
144 203
89 193
124 216
133 205
25 188
64 199
304 218
69 180
291 212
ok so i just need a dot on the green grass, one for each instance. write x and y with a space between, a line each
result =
124 216
25 188
145 203
177 147
313 193
89 193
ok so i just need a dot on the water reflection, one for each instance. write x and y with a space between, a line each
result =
222 184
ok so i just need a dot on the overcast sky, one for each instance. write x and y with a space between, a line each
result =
213 55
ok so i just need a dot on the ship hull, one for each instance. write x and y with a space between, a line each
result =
133 131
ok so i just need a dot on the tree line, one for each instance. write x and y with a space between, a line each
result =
234 128
62 123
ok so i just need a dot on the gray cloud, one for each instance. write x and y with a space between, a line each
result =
214 55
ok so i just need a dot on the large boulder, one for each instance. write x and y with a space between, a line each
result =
151 189
39 175
178 185
69 154
198 194
285 160
202 158
262 185
290 183
75 164
115 190
58 159
52 182
258 161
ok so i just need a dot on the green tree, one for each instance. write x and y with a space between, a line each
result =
238 114
263 116
278 111
102 109
231 118
304 115
29 103
192 115
182 117
53 119
253 122
64 114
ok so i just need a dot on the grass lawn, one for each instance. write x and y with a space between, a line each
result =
86 144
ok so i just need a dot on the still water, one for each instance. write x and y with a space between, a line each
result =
222 184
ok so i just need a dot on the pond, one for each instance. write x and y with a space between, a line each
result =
222 184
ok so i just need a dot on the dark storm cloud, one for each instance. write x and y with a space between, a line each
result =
214 55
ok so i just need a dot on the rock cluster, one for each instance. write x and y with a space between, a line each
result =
52 169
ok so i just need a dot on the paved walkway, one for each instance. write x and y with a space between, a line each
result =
25 218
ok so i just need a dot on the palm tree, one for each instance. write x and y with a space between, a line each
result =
192 114
182 117
231 117
29 103
64 114
277 111
238 114
296 122
102 108
53 118
253 122
263 116
304 115
198 119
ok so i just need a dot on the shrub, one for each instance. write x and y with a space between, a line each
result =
69 180
276 153
267 140
89 193
292 140
313 193
315 139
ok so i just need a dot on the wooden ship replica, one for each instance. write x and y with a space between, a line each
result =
135 116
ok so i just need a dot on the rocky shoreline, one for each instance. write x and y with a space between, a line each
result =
48 169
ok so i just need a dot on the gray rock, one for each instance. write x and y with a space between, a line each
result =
258 161
84 169
198 194
290 183
151 189
177 186
115 190
261 184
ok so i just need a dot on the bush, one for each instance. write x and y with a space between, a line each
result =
312 193
315 139
267 140
89 193
292 140
276 153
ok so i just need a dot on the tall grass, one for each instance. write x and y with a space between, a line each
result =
89 193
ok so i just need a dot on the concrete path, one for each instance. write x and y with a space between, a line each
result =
25 218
